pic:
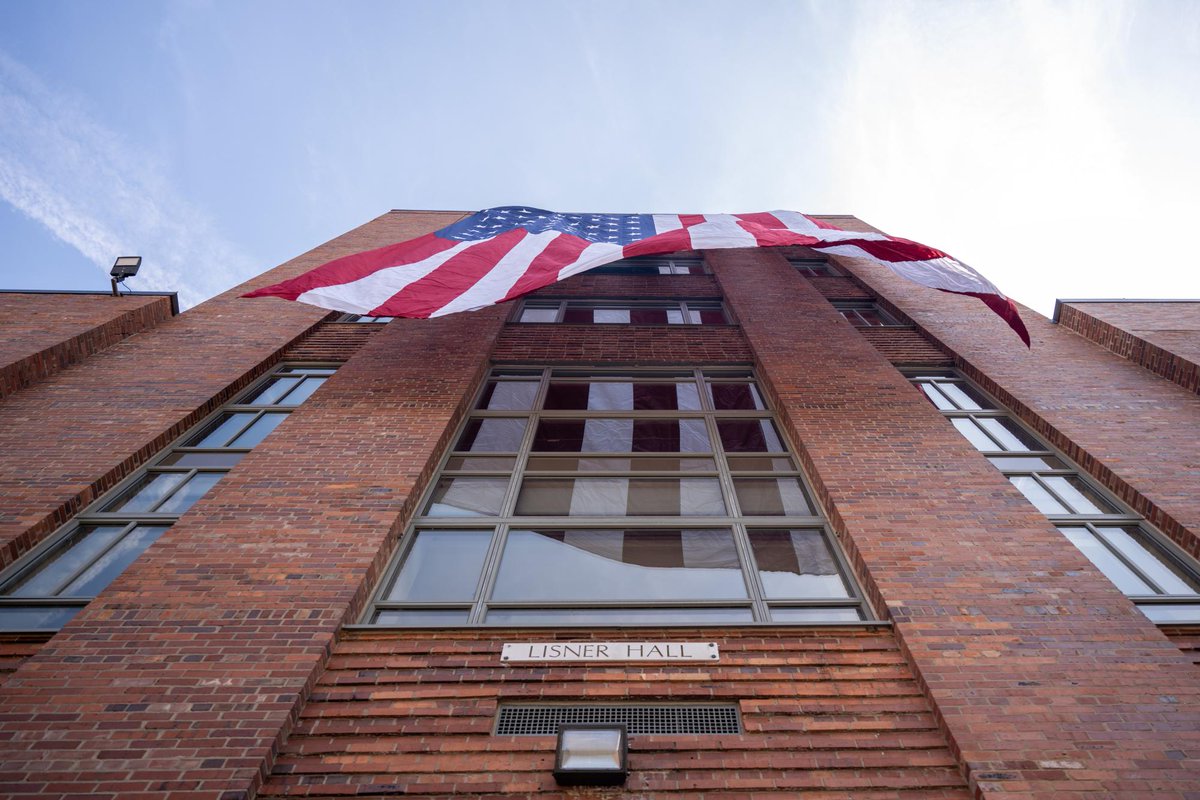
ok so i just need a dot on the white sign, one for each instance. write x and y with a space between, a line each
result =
610 651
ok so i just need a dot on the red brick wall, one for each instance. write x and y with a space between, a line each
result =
1162 337
1047 680
77 433
833 712
41 334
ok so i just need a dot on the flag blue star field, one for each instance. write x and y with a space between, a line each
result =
502 253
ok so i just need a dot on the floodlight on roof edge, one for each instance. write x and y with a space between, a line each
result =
124 267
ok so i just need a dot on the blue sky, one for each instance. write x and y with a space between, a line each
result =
1052 145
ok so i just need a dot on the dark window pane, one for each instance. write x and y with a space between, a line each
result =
422 616
796 564
749 436
442 566
39 618
509 395
68 558
705 316
186 496
648 316
258 431
577 316
220 432
303 392
1104 559
617 616
815 614
619 565
467 497
272 391
179 459
771 497
559 436
100 574
492 435
147 493
760 464
735 396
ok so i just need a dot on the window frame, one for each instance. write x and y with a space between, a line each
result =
645 266
507 520
847 307
683 305
365 319
95 515
1121 516
815 268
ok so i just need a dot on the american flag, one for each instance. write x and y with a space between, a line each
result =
502 253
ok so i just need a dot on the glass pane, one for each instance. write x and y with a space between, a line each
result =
796 564
509 395
816 615
1164 614
258 431
633 464
619 565
1137 546
619 497
539 314
60 566
611 316
735 396
221 431
1009 435
100 574
964 396
190 492
304 392
1113 568
870 317
937 398
1077 495
772 497
617 616
201 459
975 436
1038 495
467 497
760 464
442 566
36 618
618 396
147 493
422 616
493 435
749 436
484 464
621 436
1028 463
272 391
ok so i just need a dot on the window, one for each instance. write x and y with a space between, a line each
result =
1160 578
865 315
814 268
47 586
586 312
618 497
363 318
653 265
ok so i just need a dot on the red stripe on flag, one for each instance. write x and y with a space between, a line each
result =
669 242
544 269
1005 308
820 223
890 249
358 265
769 231
423 297
688 220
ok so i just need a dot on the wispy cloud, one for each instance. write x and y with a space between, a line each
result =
93 191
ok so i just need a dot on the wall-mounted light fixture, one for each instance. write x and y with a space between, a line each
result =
592 755
124 267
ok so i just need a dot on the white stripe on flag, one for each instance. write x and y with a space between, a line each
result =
801 224
593 255
665 222
489 289
720 231
936 273
370 291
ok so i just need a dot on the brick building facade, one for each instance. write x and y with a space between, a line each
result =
257 549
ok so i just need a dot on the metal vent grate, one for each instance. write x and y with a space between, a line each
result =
544 720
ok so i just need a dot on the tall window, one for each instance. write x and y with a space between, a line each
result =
49 585
813 267
1157 575
865 315
618 497
617 312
